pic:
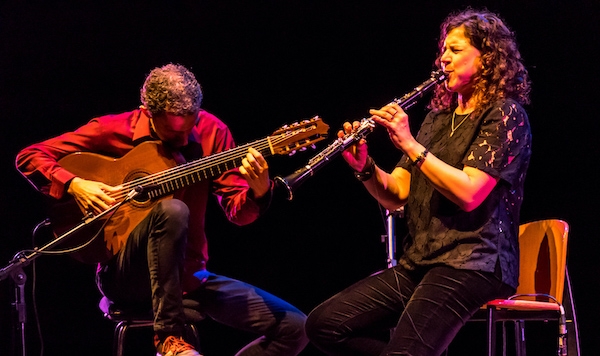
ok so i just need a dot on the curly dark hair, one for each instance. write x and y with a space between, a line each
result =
171 89
503 74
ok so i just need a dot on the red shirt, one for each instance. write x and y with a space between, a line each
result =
116 135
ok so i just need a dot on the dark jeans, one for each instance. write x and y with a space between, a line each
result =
423 309
146 274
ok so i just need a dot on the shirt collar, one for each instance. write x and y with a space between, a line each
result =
142 130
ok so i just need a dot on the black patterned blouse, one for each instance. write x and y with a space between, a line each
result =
497 142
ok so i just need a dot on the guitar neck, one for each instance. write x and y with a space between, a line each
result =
166 182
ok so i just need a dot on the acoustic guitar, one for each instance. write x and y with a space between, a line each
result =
151 168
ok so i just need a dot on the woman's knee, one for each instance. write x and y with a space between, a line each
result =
314 325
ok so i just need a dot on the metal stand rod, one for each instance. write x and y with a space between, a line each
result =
390 238
390 241
14 269
19 278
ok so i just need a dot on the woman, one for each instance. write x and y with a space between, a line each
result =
461 181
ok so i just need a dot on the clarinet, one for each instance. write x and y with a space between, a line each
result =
292 181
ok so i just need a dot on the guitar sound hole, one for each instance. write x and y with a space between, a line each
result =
142 198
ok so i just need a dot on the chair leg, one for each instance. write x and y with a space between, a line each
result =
504 343
562 333
520 338
121 330
491 331
572 340
193 335
119 338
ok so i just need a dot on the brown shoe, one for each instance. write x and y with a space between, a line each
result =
175 346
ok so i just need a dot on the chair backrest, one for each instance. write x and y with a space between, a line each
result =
543 257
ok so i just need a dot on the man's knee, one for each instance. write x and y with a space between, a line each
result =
173 209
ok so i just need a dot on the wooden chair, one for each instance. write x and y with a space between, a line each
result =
542 280
126 319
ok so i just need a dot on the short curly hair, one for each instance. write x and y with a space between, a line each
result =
503 74
171 89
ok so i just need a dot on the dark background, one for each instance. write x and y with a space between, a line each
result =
263 64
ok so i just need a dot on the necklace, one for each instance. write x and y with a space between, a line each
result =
460 123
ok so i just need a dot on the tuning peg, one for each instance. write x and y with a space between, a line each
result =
292 153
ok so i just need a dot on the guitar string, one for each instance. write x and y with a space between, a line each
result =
178 171
205 162
202 163
192 167
161 177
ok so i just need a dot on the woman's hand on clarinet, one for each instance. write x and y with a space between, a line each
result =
356 155
395 121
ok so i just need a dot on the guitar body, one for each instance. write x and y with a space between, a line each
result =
153 168
145 159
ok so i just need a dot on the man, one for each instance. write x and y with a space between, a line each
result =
163 259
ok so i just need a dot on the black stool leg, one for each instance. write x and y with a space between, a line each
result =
491 331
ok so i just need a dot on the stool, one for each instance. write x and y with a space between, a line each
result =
126 319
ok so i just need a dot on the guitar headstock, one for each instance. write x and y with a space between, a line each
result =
297 136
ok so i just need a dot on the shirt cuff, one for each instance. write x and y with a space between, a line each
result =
265 201
59 185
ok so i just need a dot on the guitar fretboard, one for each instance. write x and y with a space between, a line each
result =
168 181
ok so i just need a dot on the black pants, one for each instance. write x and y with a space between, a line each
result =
425 310
146 273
